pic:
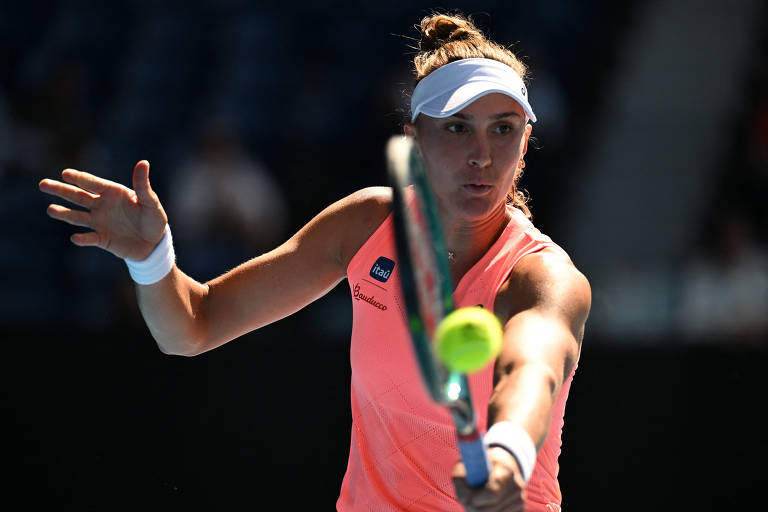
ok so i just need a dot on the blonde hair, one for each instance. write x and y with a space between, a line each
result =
447 38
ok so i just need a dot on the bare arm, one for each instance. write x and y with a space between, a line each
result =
267 288
187 317
543 306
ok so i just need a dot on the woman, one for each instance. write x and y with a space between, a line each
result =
470 114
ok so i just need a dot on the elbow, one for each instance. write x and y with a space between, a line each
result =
188 342
186 348
534 375
185 353
553 382
192 350
546 377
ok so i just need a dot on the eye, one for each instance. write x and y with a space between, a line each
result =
503 129
456 128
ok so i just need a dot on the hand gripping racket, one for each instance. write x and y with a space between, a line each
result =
427 288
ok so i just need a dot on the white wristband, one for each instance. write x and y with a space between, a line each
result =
157 265
515 440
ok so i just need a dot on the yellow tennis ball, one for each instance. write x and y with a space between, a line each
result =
468 339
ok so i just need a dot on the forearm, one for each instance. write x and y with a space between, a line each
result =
173 311
525 396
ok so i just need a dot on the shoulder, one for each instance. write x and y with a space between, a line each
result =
357 216
549 282
335 234
371 204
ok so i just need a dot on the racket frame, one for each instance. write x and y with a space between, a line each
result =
448 388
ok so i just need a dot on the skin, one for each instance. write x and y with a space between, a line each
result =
543 305
470 160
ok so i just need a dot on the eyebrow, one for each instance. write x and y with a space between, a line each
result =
494 117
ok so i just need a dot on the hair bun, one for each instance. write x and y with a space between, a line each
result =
440 29
447 38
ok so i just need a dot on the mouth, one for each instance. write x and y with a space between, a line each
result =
477 189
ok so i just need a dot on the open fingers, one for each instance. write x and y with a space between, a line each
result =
71 193
86 180
86 239
141 184
70 216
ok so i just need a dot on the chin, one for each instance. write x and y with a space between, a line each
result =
478 208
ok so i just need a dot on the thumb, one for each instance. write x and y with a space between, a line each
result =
141 184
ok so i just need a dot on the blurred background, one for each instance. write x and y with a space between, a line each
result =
650 168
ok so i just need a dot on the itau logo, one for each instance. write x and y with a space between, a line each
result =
382 269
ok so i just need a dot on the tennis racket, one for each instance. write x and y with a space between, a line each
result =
427 289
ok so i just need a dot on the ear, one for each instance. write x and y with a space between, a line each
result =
409 129
526 136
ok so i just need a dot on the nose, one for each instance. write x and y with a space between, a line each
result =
479 154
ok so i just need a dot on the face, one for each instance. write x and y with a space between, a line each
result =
471 157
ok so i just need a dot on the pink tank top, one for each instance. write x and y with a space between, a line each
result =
403 446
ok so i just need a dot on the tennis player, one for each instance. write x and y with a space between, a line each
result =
471 121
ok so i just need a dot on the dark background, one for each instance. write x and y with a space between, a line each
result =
306 95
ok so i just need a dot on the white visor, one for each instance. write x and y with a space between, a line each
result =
453 86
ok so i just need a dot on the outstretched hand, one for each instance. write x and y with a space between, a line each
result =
504 491
128 223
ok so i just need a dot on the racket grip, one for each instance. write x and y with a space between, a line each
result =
475 460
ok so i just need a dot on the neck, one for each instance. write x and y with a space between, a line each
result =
469 240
